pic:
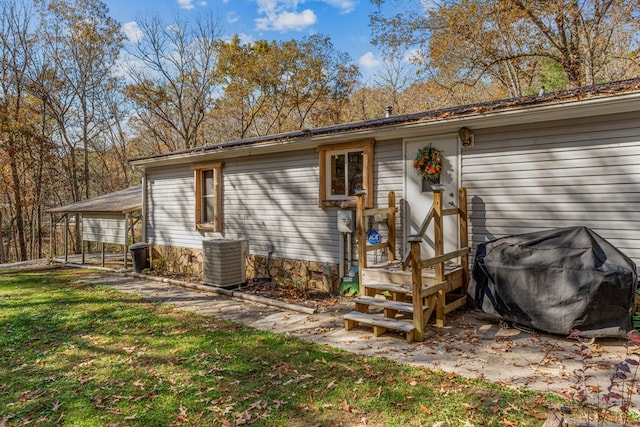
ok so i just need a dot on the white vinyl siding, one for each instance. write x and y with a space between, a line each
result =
388 177
519 179
171 201
388 171
529 178
273 200
268 199
104 228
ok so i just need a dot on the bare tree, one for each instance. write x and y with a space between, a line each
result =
16 123
396 75
80 46
174 83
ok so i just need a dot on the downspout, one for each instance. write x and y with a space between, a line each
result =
82 238
66 238
144 206
51 234
126 238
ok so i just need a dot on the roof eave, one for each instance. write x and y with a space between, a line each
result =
560 110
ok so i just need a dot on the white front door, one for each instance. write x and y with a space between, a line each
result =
419 194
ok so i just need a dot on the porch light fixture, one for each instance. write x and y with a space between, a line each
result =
466 137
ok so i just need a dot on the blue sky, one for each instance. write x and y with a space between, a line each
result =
345 21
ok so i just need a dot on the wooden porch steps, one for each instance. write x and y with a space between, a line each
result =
399 301
393 297
391 280
380 324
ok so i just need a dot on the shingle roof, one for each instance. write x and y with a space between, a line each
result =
122 201
577 94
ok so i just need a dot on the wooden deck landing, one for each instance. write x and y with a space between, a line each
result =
393 273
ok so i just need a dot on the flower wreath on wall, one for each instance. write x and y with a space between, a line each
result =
428 163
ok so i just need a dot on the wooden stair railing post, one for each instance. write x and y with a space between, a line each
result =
464 236
391 223
361 232
438 241
416 284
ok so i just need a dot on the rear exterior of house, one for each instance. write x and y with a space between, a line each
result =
535 163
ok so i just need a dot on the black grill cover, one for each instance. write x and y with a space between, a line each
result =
556 281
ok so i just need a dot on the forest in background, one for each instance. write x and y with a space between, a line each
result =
78 100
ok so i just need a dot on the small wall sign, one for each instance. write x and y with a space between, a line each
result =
373 237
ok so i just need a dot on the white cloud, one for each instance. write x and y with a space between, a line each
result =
189 4
415 56
282 15
245 38
232 17
429 4
285 21
345 6
127 64
132 31
369 60
186 4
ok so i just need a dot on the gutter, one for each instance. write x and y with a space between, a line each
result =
477 116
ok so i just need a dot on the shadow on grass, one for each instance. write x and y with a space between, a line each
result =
78 354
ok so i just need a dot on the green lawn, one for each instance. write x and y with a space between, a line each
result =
78 354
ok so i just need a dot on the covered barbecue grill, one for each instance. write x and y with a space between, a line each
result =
556 281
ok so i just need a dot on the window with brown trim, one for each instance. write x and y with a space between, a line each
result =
343 169
208 197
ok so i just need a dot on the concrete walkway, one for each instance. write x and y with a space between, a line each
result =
473 344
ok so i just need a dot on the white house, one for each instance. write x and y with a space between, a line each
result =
560 159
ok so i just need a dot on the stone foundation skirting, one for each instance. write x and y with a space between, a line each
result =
319 275
172 259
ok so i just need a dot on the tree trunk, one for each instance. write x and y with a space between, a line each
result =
17 195
2 255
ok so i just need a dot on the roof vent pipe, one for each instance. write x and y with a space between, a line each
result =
388 110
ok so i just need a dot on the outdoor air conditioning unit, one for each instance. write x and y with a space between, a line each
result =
223 261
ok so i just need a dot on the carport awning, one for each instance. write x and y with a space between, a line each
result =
123 201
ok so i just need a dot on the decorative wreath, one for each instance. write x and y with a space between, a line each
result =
428 163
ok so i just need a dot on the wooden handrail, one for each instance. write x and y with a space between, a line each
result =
426 263
423 229
436 214
435 294
452 211
380 211
425 223
381 245
361 219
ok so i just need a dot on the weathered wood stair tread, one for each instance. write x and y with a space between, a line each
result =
404 278
390 287
386 268
404 307
400 289
376 320
380 324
